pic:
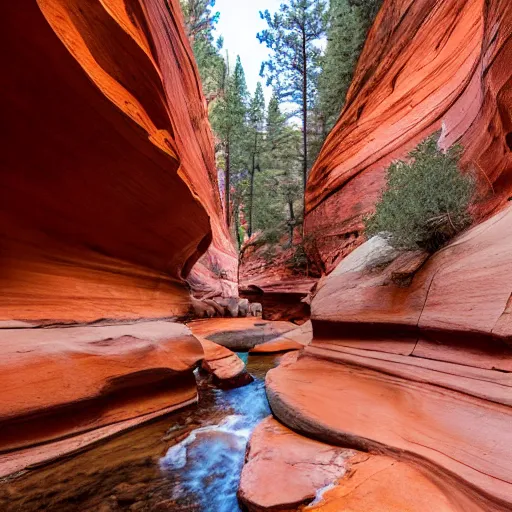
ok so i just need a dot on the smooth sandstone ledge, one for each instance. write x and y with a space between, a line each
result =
61 382
467 441
12 463
286 471
239 334
292 340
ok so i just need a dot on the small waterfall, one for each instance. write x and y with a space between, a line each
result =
209 461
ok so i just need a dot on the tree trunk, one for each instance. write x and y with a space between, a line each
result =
251 194
227 186
237 226
291 222
304 109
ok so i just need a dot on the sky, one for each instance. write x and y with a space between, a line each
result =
239 23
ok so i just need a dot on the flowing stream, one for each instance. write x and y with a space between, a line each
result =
189 461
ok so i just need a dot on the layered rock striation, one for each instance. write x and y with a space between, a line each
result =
108 194
427 65
420 372
411 357
108 200
278 276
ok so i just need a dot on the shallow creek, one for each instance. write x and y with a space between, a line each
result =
188 461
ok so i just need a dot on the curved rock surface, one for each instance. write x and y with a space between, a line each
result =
60 383
456 308
108 199
419 371
112 203
285 470
227 368
292 340
426 65
239 334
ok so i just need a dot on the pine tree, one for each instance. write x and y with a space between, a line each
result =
256 129
229 120
349 21
292 36
280 185
344 38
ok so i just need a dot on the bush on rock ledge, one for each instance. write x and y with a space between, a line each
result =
426 200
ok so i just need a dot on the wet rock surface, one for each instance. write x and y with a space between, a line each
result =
71 386
286 471
240 334
227 368
421 372
137 466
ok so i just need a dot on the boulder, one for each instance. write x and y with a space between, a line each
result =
227 369
202 309
231 305
284 470
243 307
256 309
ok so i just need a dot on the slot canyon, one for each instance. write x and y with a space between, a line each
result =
146 364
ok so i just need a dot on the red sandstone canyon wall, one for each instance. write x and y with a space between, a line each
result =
108 199
275 275
411 358
108 190
427 65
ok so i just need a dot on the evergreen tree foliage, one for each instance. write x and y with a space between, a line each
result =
229 121
426 199
200 23
280 183
367 11
256 132
292 36
345 36
349 21
264 154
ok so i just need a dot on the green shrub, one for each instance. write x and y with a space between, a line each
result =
426 199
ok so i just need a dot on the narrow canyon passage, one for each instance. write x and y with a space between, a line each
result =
224 294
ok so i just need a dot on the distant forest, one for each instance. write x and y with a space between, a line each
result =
265 151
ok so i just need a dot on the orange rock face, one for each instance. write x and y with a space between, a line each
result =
285 470
62 382
270 274
239 334
421 372
108 198
427 65
108 193
292 340
227 368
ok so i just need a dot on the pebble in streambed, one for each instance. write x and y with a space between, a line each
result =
209 461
